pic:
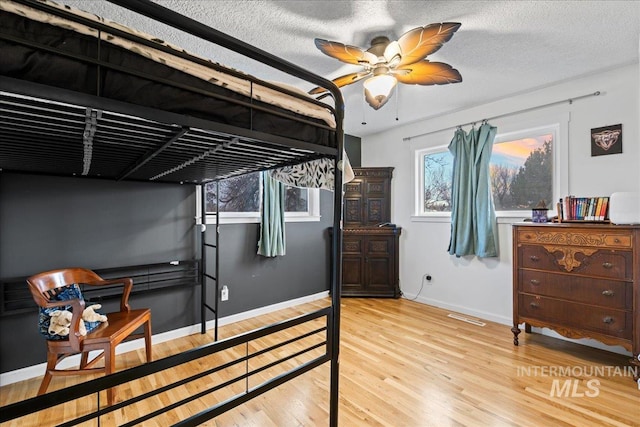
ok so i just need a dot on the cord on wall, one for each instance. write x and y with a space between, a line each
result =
424 277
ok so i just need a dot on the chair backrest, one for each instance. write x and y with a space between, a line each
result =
40 283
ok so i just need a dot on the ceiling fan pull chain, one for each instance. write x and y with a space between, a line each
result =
397 100
364 122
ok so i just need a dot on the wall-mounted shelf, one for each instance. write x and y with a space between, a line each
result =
15 297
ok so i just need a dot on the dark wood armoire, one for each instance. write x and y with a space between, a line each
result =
370 245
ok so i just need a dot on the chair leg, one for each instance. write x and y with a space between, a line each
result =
147 340
109 366
83 359
52 360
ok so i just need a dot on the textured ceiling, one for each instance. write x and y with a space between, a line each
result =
502 48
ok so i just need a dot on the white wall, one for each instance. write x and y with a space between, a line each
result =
483 287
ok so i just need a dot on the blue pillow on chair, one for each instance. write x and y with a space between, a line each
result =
64 293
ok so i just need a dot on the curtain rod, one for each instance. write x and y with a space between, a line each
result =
569 100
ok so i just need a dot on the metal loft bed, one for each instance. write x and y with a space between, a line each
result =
45 119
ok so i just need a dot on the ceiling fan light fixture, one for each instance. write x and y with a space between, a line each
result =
378 89
391 62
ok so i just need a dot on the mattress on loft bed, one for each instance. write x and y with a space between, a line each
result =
32 64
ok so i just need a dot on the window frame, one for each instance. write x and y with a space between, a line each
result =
311 215
517 129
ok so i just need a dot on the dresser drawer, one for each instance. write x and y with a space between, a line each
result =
577 260
601 238
608 321
604 293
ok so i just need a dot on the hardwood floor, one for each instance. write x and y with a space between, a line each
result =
404 364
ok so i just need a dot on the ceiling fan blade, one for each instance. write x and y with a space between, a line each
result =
350 78
345 80
427 73
416 44
345 53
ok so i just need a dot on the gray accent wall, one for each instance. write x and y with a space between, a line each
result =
255 281
57 222
352 145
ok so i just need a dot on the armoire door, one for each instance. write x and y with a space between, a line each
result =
380 276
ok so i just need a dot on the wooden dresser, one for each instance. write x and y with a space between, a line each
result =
369 252
581 280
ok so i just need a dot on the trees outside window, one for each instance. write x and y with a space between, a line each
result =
238 194
522 173
297 199
437 181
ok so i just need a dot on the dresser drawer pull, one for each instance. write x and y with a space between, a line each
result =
534 305
535 282
607 320
608 293
616 240
607 265
534 258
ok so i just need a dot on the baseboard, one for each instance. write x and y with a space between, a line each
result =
461 309
38 370
508 321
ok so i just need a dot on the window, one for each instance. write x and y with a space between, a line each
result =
523 170
239 194
240 198
437 169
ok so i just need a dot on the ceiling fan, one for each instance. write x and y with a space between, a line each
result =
389 62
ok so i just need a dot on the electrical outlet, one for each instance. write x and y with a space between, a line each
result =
427 277
224 293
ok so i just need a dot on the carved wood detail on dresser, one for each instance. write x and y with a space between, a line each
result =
580 280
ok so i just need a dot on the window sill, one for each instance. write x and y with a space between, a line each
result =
432 218
211 219
446 218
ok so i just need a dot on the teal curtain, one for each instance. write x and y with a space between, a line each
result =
473 217
271 242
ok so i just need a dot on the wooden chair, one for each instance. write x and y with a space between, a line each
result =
119 326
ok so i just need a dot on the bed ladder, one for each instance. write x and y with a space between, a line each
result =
204 274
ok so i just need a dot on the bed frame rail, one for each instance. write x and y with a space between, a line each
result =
138 142
161 146
308 349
